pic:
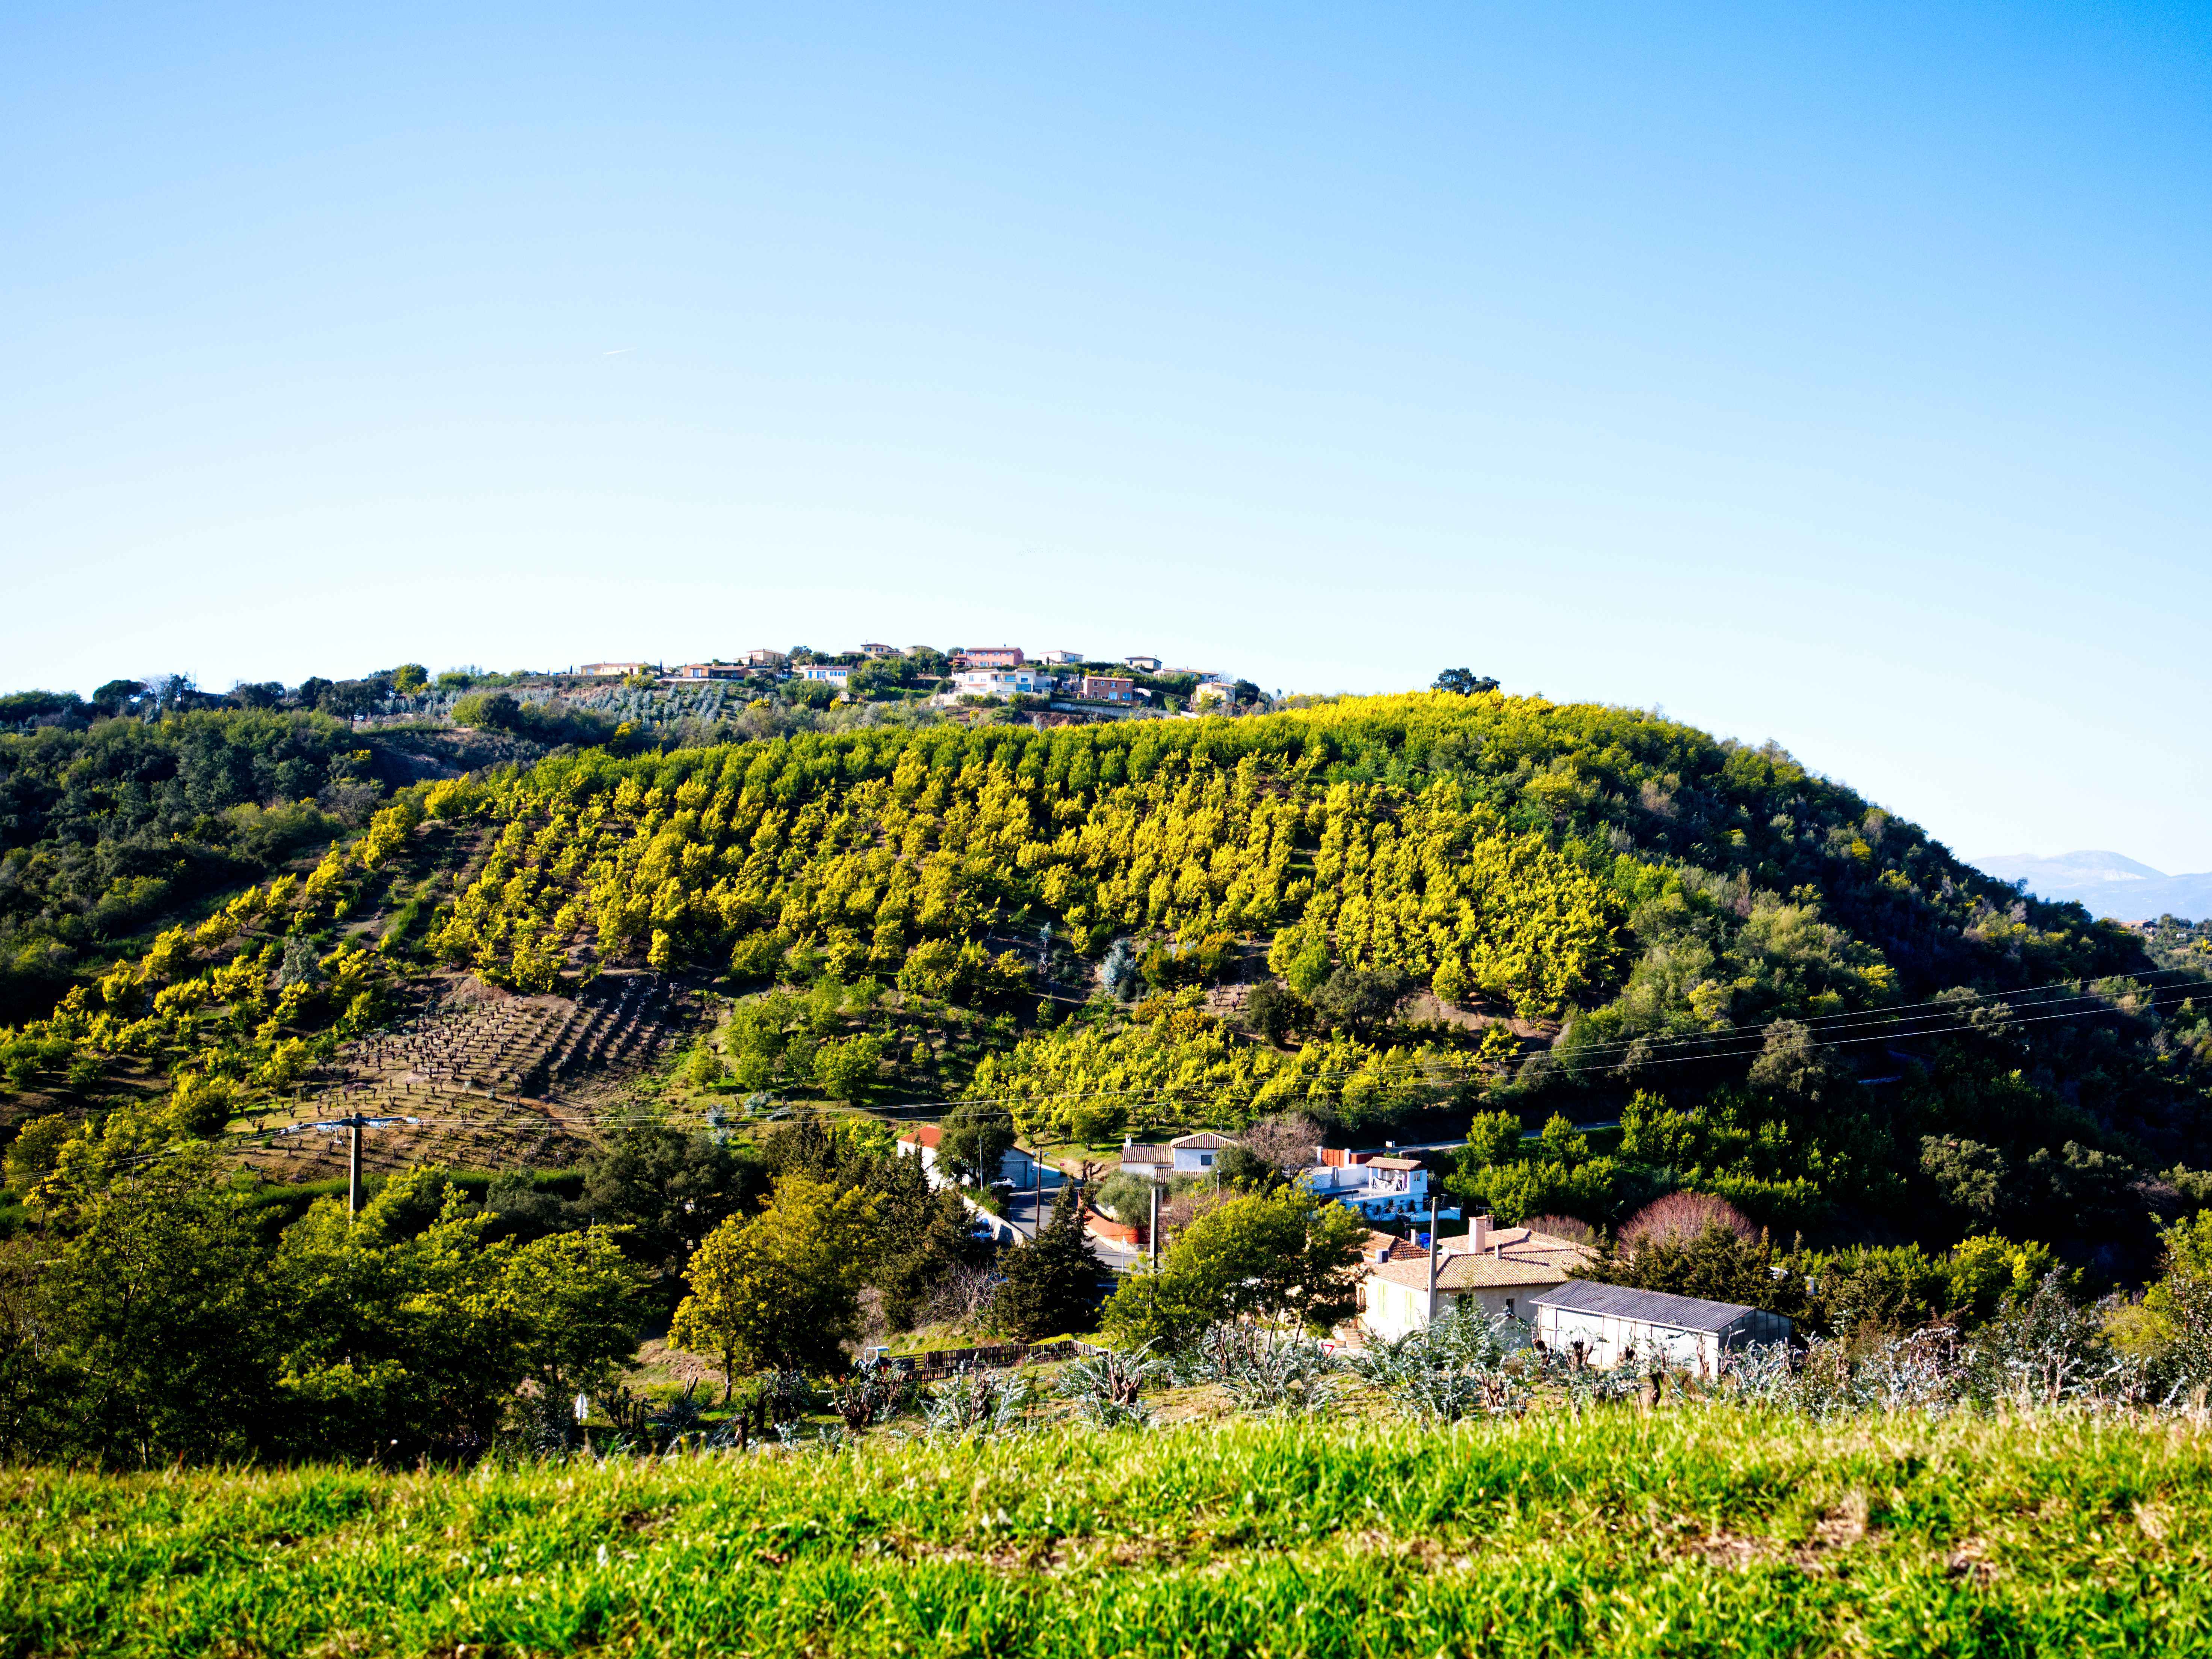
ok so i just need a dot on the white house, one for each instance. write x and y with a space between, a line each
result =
615 670
1220 690
1187 1155
1377 1187
1153 1163
1002 682
1143 664
1498 1269
1603 1322
1064 656
828 673
881 651
1016 1164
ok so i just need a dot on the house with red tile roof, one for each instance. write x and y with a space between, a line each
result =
1493 1270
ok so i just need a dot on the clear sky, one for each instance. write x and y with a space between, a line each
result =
1836 376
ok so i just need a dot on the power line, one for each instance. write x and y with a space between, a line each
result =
1709 1046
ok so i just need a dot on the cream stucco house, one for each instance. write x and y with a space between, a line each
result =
1499 1269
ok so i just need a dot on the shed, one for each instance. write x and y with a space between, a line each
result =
1605 1320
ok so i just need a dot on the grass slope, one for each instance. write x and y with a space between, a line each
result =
1707 1532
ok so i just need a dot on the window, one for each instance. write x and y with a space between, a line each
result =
1509 1307
1205 1160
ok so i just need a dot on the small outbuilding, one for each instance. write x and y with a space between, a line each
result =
1604 1320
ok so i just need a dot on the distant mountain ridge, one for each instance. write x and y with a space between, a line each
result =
2109 883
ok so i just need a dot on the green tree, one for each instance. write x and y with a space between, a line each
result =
494 710
572 1294
973 1139
155 1308
114 695
1272 1012
1464 682
1988 1274
1307 968
397 1331
1514 1178
2171 1326
37 1144
781 1290
1052 1284
923 1232
667 1189
1355 998
1717 1265
1289 1256
1246 1171
848 1070
1493 1137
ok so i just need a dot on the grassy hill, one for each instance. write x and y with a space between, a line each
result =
1366 909
1699 1531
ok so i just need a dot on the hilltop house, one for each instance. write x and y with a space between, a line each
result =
990 657
1002 682
1103 688
1495 1270
706 671
764 658
1215 690
1187 1155
615 670
1015 1165
1063 657
1602 1322
1143 664
881 651
828 673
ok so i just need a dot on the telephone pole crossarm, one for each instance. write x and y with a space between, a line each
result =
351 1126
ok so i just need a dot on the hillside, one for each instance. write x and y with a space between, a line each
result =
1363 909
1709 1531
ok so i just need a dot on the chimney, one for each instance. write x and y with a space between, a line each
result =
1478 1235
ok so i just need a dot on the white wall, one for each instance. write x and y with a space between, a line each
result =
1394 1309
1605 1337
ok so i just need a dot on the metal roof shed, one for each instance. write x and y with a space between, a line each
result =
1606 1320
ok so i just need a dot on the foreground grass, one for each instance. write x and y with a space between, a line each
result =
1709 1532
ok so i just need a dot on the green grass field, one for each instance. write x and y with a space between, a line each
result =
1706 1532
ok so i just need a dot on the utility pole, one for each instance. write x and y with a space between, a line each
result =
353 1125
1435 1250
1152 1233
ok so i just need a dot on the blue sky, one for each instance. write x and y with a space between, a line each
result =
1837 379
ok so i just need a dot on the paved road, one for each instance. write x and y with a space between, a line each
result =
1025 1215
